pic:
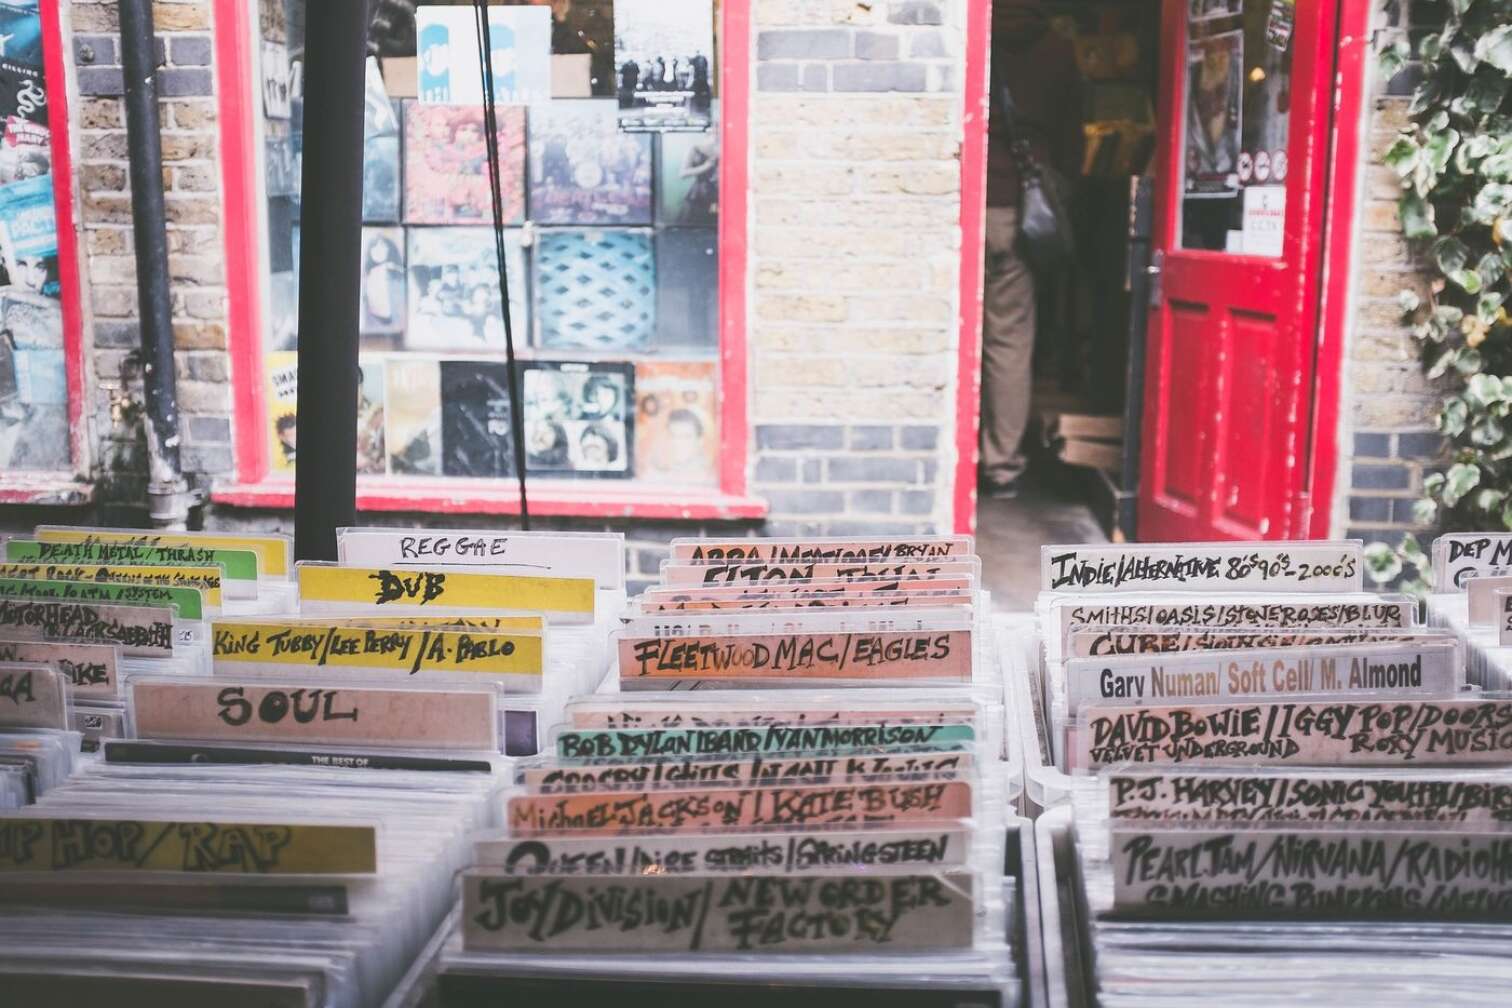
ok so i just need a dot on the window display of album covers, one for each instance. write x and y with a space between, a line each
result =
579 419
676 426
447 44
25 150
380 152
454 289
280 168
663 54
687 289
476 419
21 27
383 281
583 170
446 164
33 382
586 28
412 416
687 179
23 91
371 393
282 370
595 290
283 311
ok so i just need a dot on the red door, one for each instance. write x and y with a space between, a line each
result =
1245 100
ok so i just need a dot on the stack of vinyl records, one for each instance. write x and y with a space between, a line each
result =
1279 795
797 778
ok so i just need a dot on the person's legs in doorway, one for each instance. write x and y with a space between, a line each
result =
1007 354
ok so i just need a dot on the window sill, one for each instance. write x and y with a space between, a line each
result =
46 489
547 498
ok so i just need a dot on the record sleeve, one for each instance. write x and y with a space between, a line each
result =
578 419
663 51
449 51
454 289
687 178
595 290
676 423
33 382
380 151
687 289
412 416
446 164
583 170
477 433
383 281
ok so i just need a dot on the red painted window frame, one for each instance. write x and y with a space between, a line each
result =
254 487
61 486
968 405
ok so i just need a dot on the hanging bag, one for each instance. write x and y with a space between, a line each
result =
1044 226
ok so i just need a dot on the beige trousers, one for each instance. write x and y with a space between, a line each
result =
1007 349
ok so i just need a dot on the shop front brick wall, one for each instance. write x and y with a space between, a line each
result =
191 186
855 253
1387 441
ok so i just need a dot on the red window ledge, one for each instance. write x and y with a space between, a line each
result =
46 490
547 497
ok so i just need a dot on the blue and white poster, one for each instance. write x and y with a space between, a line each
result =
447 45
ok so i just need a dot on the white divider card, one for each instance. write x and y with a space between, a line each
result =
1310 796
1481 599
238 567
673 574
33 696
1378 733
1504 618
835 739
876 655
275 552
1460 873
274 646
92 670
1217 611
1429 669
1257 566
139 631
361 716
759 707
668 774
1109 642
327 588
839 592
832 550
1459 556
806 806
814 913
597 555
729 853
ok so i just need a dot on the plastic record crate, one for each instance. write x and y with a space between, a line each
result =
1063 913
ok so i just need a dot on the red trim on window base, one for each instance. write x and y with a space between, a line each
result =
968 413
235 87
47 489
455 496
1352 61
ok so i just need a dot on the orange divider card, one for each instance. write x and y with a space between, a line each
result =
936 655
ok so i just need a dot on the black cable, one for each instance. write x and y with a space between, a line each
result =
495 176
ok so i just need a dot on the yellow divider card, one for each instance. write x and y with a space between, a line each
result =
274 552
326 585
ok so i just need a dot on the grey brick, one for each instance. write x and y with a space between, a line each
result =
1401 510
210 428
636 587
854 527
190 50
1391 537
871 438
880 77
806 501
786 437
207 366
918 438
1372 445
159 50
181 82
776 470
205 458
871 501
814 77
876 46
916 12
916 502
1381 477
1421 444
117 334
818 43
927 45
931 470
813 471
855 469
648 561
777 77
95 50
1370 509
99 80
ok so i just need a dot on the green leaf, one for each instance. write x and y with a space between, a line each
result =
1439 146
1489 303
1489 500
1486 91
1408 300
1431 47
1424 512
1467 279
1450 254
1382 562
1464 55
1442 363
1461 478
1460 7
1494 200
1402 156
1487 432
1453 417
1495 48
1417 217
1506 516
1486 388
1468 361
1411 551
1433 483
1496 168
1394 57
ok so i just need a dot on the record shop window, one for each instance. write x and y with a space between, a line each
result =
609 156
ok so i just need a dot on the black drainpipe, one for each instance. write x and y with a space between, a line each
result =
168 499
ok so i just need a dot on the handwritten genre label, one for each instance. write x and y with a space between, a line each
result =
749 853
1307 797
1405 733
414 588
205 579
300 645
892 655
1459 556
819 913
37 844
32 696
238 565
89 668
1320 567
1358 873
600 557
548 815
273 551
141 631
1481 599
662 773
818 550
638 743
1248 614
188 603
1106 643
761 573
1504 620
381 718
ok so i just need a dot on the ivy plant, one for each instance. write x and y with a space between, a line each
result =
1454 160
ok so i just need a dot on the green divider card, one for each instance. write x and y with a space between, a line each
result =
833 738
188 602
239 565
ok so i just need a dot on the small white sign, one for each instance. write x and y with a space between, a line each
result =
1483 607
1264 220
276 83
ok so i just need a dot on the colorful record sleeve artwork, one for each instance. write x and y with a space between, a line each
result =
477 430
663 55
584 170
579 419
676 423
687 292
446 164
383 281
412 416
380 151
595 289
454 290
